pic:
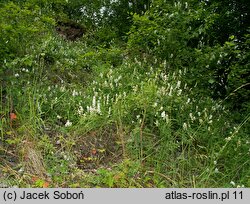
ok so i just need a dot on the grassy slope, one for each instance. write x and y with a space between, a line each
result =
90 117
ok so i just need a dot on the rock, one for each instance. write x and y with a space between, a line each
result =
70 30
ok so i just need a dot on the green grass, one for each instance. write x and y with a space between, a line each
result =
90 118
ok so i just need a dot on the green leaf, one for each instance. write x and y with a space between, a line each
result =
211 81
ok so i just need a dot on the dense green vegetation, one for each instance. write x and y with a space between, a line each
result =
151 93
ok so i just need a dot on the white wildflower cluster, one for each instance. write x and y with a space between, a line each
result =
192 117
185 126
68 123
75 93
178 4
165 116
114 86
113 1
216 170
171 84
116 80
25 70
105 93
96 105
229 138
137 61
80 110
62 88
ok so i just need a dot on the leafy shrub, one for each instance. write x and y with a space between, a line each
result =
185 35
19 25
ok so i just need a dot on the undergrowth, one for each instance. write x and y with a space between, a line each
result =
87 117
